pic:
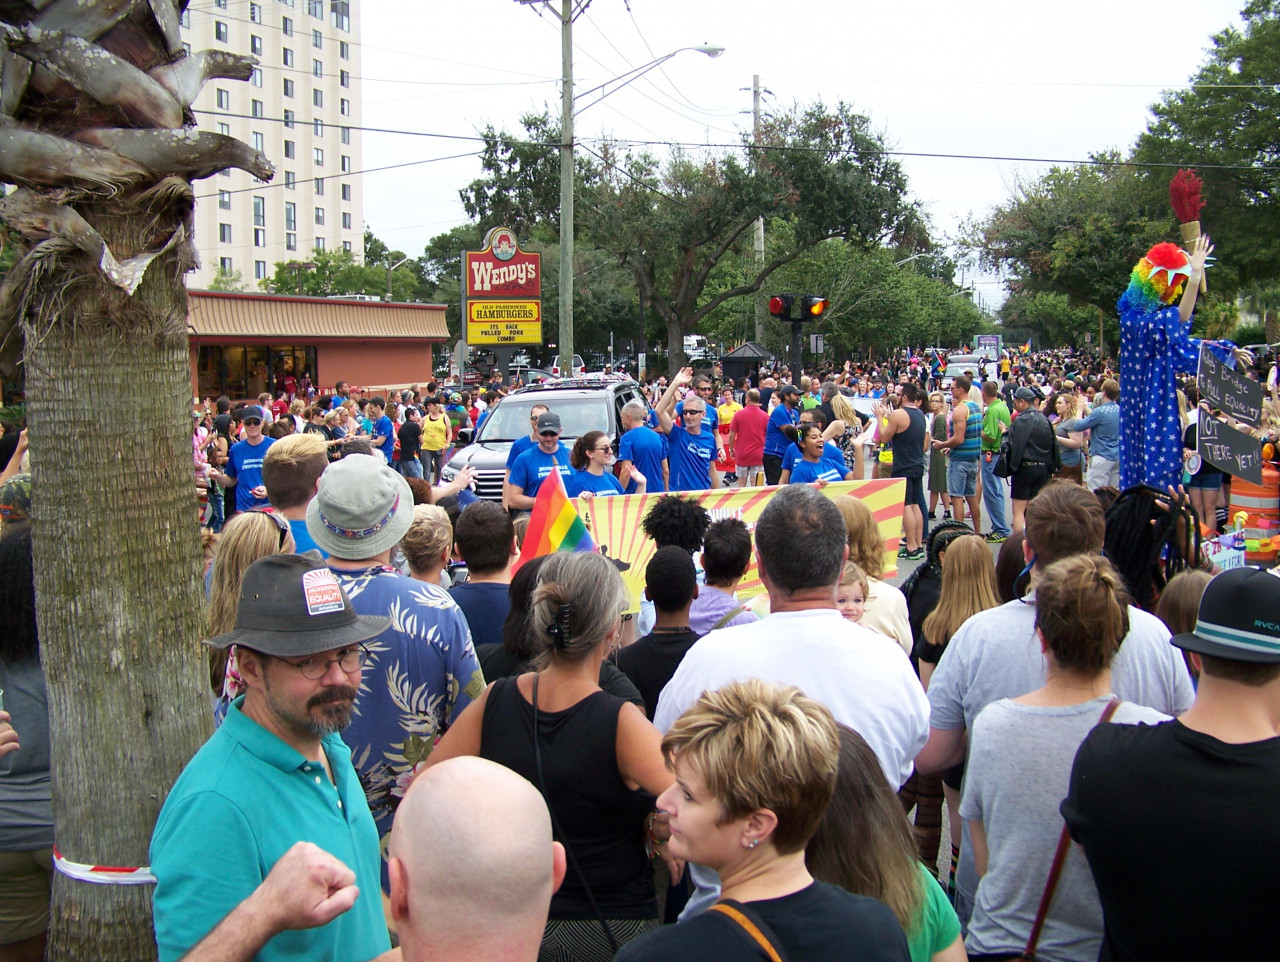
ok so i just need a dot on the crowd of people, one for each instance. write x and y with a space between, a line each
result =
425 749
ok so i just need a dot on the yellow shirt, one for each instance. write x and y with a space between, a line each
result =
725 412
435 433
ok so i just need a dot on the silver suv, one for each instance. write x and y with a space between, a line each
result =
584 404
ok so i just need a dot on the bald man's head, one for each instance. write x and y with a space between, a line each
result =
472 862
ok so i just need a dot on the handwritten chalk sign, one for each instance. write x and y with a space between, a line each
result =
1227 390
1233 451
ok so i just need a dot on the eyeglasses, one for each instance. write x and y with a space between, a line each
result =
282 526
603 450
349 660
249 421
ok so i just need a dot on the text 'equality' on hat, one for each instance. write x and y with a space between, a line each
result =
1239 618
362 508
292 606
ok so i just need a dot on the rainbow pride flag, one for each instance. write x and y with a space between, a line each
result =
554 525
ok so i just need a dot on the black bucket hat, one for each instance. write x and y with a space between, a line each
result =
1239 618
291 606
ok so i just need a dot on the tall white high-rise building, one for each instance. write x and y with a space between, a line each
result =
302 109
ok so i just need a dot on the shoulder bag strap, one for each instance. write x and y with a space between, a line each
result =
1059 857
728 617
751 927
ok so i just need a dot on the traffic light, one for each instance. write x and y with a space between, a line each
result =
812 306
780 306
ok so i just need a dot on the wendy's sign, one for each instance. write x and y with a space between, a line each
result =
502 269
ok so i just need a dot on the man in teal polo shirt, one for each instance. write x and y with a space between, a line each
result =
277 772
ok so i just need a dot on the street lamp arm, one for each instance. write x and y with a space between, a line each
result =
636 73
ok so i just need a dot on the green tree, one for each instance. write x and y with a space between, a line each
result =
673 223
1047 317
334 273
230 281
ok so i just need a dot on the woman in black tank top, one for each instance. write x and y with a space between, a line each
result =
595 758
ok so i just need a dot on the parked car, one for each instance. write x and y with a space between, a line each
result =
579 368
583 404
530 375
966 364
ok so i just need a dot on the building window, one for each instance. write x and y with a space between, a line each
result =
317 127
340 14
344 107
224 233
317 39
257 109
287 56
346 221
344 50
318 186
185 19
224 129
220 31
320 216
346 164
255 13
255 45
290 180
346 191
345 134
291 242
286 26
288 119
224 265
319 243
224 99
344 78
225 173
186 49
316 8
288 87
346 245
317 68
317 156
290 215
259 212
288 150
220 4
317 98
259 270
259 142
255 78
259 237
224 199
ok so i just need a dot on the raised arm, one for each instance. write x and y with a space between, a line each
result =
1200 251
666 404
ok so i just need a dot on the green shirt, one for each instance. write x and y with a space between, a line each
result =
238 806
997 414
935 926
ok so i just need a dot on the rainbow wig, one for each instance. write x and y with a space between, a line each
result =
1156 280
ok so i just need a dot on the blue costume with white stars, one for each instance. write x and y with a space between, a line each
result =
1154 347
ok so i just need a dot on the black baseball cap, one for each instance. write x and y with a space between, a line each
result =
1239 618
788 389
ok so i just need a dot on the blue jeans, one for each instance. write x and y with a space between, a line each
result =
410 467
215 519
993 495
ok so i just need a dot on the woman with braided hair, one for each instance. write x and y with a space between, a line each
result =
1152 535
596 759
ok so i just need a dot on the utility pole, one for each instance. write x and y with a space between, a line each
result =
566 187
762 305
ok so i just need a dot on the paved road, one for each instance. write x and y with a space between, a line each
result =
906 567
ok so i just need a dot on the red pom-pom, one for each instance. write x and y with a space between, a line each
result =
1184 195
1167 255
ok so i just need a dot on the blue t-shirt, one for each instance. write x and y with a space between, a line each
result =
422 672
793 454
383 428
775 442
256 796
646 450
486 604
690 457
535 466
602 486
709 420
244 463
827 469
302 538
518 447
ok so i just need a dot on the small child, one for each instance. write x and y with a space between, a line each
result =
851 595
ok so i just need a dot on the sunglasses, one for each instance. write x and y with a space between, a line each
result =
282 526
549 434
252 421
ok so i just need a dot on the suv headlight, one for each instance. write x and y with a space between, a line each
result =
448 472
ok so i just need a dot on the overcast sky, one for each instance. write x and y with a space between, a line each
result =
996 78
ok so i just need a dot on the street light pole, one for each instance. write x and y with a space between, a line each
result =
391 267
566 188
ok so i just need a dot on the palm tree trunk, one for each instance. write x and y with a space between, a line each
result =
117 565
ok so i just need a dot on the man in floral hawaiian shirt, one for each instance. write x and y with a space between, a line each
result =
422 671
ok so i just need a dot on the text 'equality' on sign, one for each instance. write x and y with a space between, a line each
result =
1227 390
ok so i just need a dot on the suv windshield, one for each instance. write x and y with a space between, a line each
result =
510 419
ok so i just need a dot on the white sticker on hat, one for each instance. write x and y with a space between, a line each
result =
322 591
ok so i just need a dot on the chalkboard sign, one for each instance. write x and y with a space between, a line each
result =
1228 391
1233 451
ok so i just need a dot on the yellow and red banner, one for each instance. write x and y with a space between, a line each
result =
615 523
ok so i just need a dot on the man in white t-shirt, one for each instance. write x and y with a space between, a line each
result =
995 654
864 678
